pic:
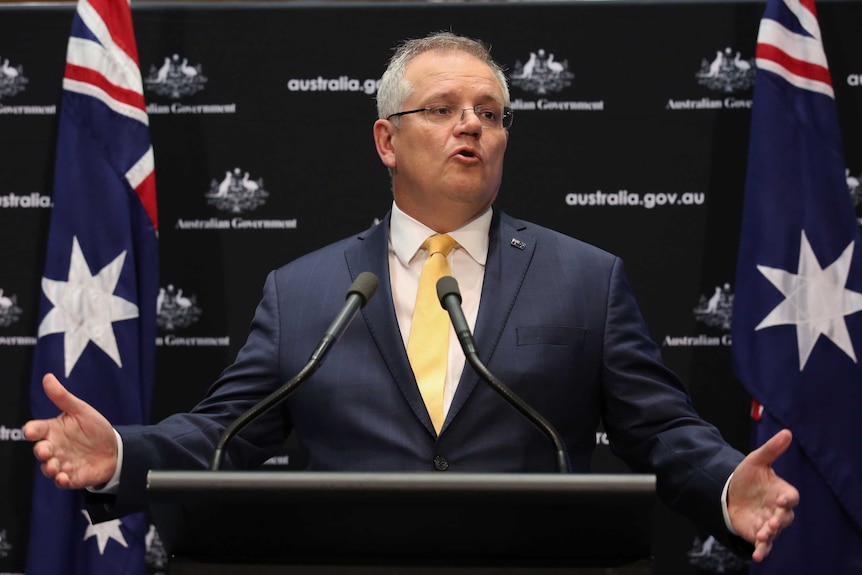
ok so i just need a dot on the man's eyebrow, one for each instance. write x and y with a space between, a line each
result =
447 96
436 96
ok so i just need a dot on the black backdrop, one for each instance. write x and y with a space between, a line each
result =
633 137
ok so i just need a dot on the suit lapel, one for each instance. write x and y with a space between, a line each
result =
510 250
371 253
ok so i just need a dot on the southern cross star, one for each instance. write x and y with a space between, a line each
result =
103 532
816 301
85 307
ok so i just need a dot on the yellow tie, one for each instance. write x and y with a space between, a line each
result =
428 344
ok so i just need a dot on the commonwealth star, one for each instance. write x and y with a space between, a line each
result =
816 301
85 308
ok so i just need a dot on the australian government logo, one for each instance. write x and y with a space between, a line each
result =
713 310
545 76
12 79
155 556
236 193
176 310
10 312
725 72
13 82
175 78
5 546
711 556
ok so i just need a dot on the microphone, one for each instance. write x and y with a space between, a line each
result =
358 295
450 298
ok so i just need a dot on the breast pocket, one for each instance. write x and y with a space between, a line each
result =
561 335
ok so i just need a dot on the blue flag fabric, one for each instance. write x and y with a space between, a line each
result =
99 289
796 327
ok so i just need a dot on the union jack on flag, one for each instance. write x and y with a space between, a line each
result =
99 288
788 44
796 320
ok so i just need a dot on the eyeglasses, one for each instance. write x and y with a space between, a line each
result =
489 116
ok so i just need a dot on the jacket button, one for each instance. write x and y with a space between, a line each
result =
440 463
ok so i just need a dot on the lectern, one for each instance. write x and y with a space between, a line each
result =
312 523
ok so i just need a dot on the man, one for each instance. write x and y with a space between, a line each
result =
553 318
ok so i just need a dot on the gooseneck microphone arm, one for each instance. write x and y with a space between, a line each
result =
358 295
450 298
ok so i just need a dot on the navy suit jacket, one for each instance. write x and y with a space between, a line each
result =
557 323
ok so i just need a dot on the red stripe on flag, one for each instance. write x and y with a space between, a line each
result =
117 17
146 191
809 5
798 67
756 410
89 76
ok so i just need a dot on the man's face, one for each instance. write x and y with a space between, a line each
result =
453 169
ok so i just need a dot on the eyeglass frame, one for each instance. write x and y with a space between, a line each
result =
508 114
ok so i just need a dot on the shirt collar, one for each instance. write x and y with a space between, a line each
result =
407 235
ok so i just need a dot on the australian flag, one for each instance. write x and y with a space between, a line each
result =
797 330
98 304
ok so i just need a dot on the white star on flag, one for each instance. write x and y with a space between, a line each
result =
816 301
85 307
103 532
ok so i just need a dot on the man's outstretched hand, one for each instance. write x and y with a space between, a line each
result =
760 504
78 448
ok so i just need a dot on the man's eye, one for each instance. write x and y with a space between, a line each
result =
441 111
489 114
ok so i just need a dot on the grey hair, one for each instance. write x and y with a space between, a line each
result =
394 89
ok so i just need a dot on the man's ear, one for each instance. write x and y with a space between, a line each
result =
384 133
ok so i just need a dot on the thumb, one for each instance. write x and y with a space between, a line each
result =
60 396
775 446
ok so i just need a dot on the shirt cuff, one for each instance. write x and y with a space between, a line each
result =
724 512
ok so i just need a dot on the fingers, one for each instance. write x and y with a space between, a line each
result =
788 498
61 479
35 430
782 519
765 538
52 468
769 532
43 450
761 550
763 542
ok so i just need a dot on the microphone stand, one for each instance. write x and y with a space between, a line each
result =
358 295
450 298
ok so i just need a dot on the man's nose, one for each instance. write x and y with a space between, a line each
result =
470 122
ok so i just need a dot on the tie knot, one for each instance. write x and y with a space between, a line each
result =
439 244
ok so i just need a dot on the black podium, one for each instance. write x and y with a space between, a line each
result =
402 523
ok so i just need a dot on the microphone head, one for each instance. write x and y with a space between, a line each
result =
364 286
446 286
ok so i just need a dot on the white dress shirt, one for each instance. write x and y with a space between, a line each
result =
467 262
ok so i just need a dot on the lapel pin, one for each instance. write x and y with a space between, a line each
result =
518 244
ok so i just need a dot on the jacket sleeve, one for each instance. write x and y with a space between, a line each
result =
650 421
